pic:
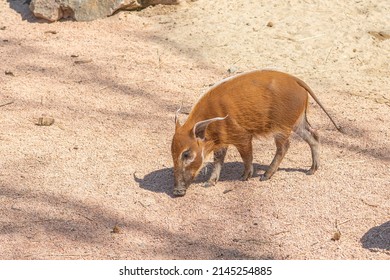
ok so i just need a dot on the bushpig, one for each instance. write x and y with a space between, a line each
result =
233 112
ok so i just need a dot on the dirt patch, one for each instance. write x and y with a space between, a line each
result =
97 182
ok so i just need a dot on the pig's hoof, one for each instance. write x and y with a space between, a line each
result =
244 178
209 184
264 177
313 168
248 173
310 172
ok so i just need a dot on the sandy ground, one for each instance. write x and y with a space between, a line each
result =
112 87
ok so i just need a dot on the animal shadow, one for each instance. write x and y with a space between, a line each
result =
159 181
162 181
377 238
232 171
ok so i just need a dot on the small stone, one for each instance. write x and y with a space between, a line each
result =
232 69
45 121
336 236
116 229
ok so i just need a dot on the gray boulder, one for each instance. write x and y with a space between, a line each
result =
87 10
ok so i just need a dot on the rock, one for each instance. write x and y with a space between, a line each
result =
146 3
45 121
49 10
233 69
87 10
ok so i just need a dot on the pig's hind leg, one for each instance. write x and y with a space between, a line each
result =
311 137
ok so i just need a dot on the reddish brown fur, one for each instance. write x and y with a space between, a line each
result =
258 103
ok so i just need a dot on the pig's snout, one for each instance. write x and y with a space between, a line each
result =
179 192
180 188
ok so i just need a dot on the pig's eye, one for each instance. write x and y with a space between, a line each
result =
186 155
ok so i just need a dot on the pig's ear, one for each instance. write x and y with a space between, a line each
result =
199 129
177 123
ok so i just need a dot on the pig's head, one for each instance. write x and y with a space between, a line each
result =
188 153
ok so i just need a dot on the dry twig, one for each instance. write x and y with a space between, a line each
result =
83 61
369 204
5 104
337 234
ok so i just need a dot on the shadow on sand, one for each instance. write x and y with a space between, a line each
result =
22 7
161 181
377 238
